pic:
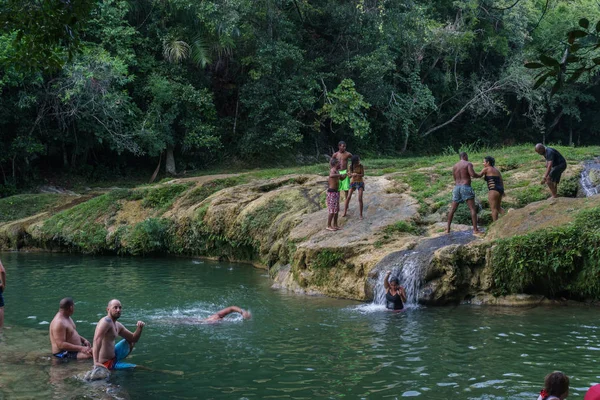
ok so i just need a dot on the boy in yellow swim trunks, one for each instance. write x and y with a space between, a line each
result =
343 156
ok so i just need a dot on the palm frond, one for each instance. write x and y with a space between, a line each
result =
175 50
200 51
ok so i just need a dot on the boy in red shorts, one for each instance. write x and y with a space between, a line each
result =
333 194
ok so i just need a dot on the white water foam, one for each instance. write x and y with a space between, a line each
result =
409 275
586 182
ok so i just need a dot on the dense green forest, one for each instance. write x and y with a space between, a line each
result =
100 87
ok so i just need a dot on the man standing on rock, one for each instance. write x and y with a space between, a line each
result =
66 342
106 354
343 156
555 166
463 192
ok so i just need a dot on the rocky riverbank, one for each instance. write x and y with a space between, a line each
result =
546 248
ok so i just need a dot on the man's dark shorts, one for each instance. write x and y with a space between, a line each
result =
1 299
462 193
66 355
556 172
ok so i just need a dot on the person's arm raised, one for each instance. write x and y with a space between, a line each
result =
132 338
386 284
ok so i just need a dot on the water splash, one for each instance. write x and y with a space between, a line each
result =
590 178
408 271
409 267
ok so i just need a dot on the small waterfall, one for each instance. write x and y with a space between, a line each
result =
409 266
590 178
408 271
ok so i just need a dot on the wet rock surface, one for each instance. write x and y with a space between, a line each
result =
279 224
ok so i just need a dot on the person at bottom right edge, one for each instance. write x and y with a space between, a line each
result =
555 166
106 353
2 287
556 387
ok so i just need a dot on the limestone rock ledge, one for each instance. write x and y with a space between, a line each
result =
279 224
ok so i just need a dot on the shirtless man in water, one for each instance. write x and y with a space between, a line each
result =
66 342
225 312
463 192
106 354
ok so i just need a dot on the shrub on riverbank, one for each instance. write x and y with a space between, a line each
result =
561 260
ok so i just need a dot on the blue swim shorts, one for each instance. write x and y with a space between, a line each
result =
357 185
462 193
122 350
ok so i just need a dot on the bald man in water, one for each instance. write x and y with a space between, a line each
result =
106 354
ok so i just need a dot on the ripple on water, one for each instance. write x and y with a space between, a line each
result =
411 393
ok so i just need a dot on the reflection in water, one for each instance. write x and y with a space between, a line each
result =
294 347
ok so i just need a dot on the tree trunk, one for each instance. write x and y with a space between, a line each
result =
405 145
571 133
170 162
65 156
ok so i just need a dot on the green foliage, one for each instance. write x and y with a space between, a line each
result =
200 193
83 227
261 218
530 193
327 259
568 187
45 31
162 197
25 205
252 83
178 114
403 227
551 261
150 236
346 106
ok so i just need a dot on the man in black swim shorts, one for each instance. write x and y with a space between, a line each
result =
66 342
555 166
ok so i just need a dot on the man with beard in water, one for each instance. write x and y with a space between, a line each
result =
106 353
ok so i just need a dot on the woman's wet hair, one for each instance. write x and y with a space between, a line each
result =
395 280
355 159
490 160
556 384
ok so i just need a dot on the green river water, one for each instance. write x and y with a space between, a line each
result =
295 347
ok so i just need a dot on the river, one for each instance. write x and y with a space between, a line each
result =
295 346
